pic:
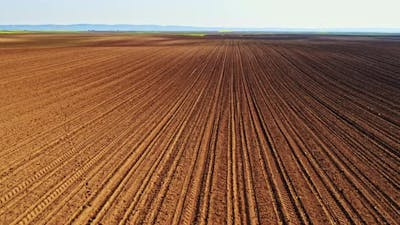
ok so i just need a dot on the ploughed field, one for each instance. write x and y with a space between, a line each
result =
100 128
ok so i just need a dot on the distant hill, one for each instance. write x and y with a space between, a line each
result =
100 27
158 28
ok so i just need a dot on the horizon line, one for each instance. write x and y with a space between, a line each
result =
183 28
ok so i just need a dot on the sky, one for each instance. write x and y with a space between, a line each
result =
207 13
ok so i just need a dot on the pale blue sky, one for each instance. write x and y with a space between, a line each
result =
228 13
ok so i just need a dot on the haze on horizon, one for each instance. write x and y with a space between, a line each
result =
207 13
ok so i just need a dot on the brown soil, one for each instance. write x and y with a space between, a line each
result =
104 128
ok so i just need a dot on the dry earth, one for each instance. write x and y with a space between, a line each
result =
100 128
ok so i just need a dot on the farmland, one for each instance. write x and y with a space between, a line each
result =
113 128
